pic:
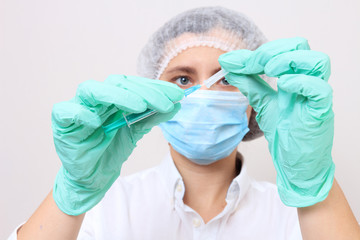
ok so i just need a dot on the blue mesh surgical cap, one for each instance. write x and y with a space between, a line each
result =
216 27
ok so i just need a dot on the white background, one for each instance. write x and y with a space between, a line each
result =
48 47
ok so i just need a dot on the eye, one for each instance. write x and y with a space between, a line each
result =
182 81
223 81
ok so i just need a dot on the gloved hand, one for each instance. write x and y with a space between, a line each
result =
91 159
297 119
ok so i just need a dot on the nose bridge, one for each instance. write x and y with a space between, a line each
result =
204 73
203 87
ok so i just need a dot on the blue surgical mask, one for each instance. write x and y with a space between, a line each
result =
209 125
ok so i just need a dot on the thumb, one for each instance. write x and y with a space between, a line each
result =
253 87
154 120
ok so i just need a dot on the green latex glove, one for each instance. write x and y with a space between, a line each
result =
91 159
297 119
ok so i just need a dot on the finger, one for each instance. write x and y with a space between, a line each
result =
306 62
235 61
171 90
67 114
73 121
267 51
81 155
248 62
99 97
317 92
253 87
158 95
145 125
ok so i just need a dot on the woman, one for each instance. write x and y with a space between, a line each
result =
201 190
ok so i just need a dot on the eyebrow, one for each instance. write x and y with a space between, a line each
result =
216 70
186 69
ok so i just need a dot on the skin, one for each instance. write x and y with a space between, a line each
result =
211 182
206 186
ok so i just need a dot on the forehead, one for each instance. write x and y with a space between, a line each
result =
194 60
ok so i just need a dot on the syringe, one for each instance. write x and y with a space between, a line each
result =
128 120
214 78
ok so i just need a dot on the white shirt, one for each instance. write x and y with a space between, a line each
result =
149 205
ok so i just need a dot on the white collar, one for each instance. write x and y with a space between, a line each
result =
176 189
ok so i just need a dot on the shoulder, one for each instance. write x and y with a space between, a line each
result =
264 215
124 206
267 194
266 198
128 200
149 178
263 188
147 174
140 183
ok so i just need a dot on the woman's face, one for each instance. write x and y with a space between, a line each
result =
193 66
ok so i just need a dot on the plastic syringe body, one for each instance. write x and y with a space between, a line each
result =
128 120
